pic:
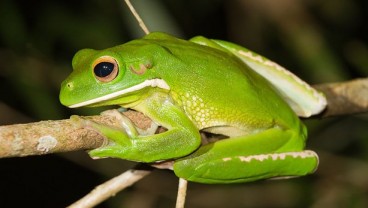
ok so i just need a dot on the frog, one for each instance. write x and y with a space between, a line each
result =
193 86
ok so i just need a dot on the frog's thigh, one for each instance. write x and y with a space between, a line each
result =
246 159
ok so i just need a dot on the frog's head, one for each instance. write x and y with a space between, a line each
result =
101 78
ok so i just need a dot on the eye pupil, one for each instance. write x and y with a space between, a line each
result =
104 69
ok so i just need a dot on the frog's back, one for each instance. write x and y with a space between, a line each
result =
216 89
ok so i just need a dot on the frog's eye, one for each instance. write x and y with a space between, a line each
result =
105 69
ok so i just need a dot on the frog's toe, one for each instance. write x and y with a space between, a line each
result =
123 121
103 152
80 122
113 112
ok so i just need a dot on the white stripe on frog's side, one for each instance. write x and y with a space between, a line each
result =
278 156
148 83
275 156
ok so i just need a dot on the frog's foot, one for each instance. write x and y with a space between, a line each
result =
119 143
131 129
119 139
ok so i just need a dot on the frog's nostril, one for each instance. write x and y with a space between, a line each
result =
70 85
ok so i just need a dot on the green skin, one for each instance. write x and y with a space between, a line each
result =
203 85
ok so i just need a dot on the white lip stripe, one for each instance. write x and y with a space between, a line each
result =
148 83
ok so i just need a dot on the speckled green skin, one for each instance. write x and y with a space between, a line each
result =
211 90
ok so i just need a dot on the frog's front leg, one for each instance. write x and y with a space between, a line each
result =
248 158
181 139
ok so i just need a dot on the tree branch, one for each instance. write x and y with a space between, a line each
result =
344 98
47 137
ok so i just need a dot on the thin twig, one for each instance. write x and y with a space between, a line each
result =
182 192
137 17
111 187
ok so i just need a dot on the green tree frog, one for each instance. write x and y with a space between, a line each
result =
199 85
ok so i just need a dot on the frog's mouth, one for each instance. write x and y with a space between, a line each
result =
148 83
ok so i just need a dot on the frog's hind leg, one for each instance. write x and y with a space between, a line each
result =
249 158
